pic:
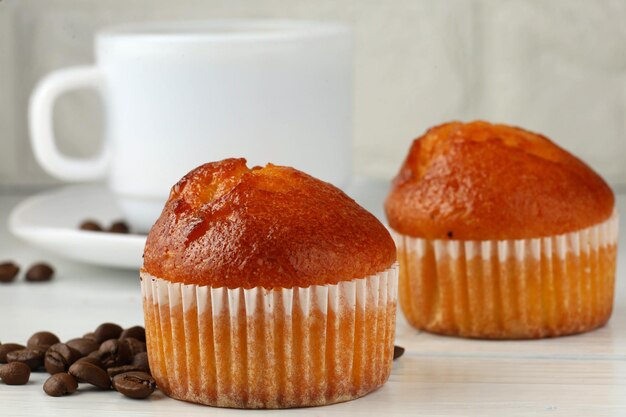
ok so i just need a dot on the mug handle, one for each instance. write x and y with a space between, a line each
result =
41 132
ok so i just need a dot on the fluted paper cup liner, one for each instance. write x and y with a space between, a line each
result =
259 348
526 288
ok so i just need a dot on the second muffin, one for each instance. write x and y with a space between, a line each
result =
267 288
501 234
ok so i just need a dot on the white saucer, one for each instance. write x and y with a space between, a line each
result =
50 221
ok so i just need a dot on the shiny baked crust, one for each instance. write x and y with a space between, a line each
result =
226 225
481 181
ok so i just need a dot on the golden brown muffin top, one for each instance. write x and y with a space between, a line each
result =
482 181
227 225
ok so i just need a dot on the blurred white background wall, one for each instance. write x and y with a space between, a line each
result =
557 67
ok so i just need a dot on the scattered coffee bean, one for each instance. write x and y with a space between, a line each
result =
15 373
137 332
8 347
122 370
119 227
59 357
83 346
32 357
136 385
109 352
8 271
91 374
92 360
134 345
90 336
60 384
39 272
91 226
42 340
140 361
107 331
96 355
114 352
397 352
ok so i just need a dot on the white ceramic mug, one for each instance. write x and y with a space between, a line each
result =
179 94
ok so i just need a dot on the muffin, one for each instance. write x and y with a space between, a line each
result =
501 234
267 288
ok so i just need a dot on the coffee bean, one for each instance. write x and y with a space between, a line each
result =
140 361
136 332
90 373
92 360
15 373
91 226
59 357
8 347
90 336
123 369
134 345
60 384
397 352
83 346
39 272
107 331
136 385
115 353
32 357
42 340
96 354
8 271
119 227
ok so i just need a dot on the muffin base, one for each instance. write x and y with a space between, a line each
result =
510 289
258 348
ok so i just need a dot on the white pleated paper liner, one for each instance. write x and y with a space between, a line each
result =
526 288
258 348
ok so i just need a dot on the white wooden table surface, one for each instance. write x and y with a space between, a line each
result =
582 375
